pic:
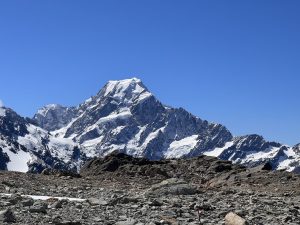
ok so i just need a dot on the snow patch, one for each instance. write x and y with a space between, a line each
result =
132 146
18 161
121 115
218 151
257 156
44 198
152 135
143 96
182 147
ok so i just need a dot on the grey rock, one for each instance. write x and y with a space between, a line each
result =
38 207
27 202
68 223
172 186
15 198
7 216
127 222
97 201
58 204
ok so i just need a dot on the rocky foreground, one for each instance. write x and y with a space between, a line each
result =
126 191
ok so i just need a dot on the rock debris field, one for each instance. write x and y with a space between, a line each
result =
123 190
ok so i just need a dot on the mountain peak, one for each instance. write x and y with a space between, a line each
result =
126 90
128 80
44 110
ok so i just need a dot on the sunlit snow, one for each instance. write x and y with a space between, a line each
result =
182 147
18 161
217 151
44 198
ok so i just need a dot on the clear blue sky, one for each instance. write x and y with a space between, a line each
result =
232 62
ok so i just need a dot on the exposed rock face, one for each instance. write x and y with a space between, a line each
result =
11 124
53 117
296 148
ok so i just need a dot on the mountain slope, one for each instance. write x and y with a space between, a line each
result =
27 147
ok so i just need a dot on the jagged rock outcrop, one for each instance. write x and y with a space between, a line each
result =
53 117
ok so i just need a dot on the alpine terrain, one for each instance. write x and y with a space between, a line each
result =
125 116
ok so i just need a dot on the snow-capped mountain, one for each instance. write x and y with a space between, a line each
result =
125 116
27 147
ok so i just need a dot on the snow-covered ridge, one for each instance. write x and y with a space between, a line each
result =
120 86
126 90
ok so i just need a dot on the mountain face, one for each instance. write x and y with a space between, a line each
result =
54 116
125 116
27 147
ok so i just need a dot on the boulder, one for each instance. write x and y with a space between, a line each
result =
127 222
267 166
172 186
15 198
39 207
7 216
97 201
234 219
27 202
